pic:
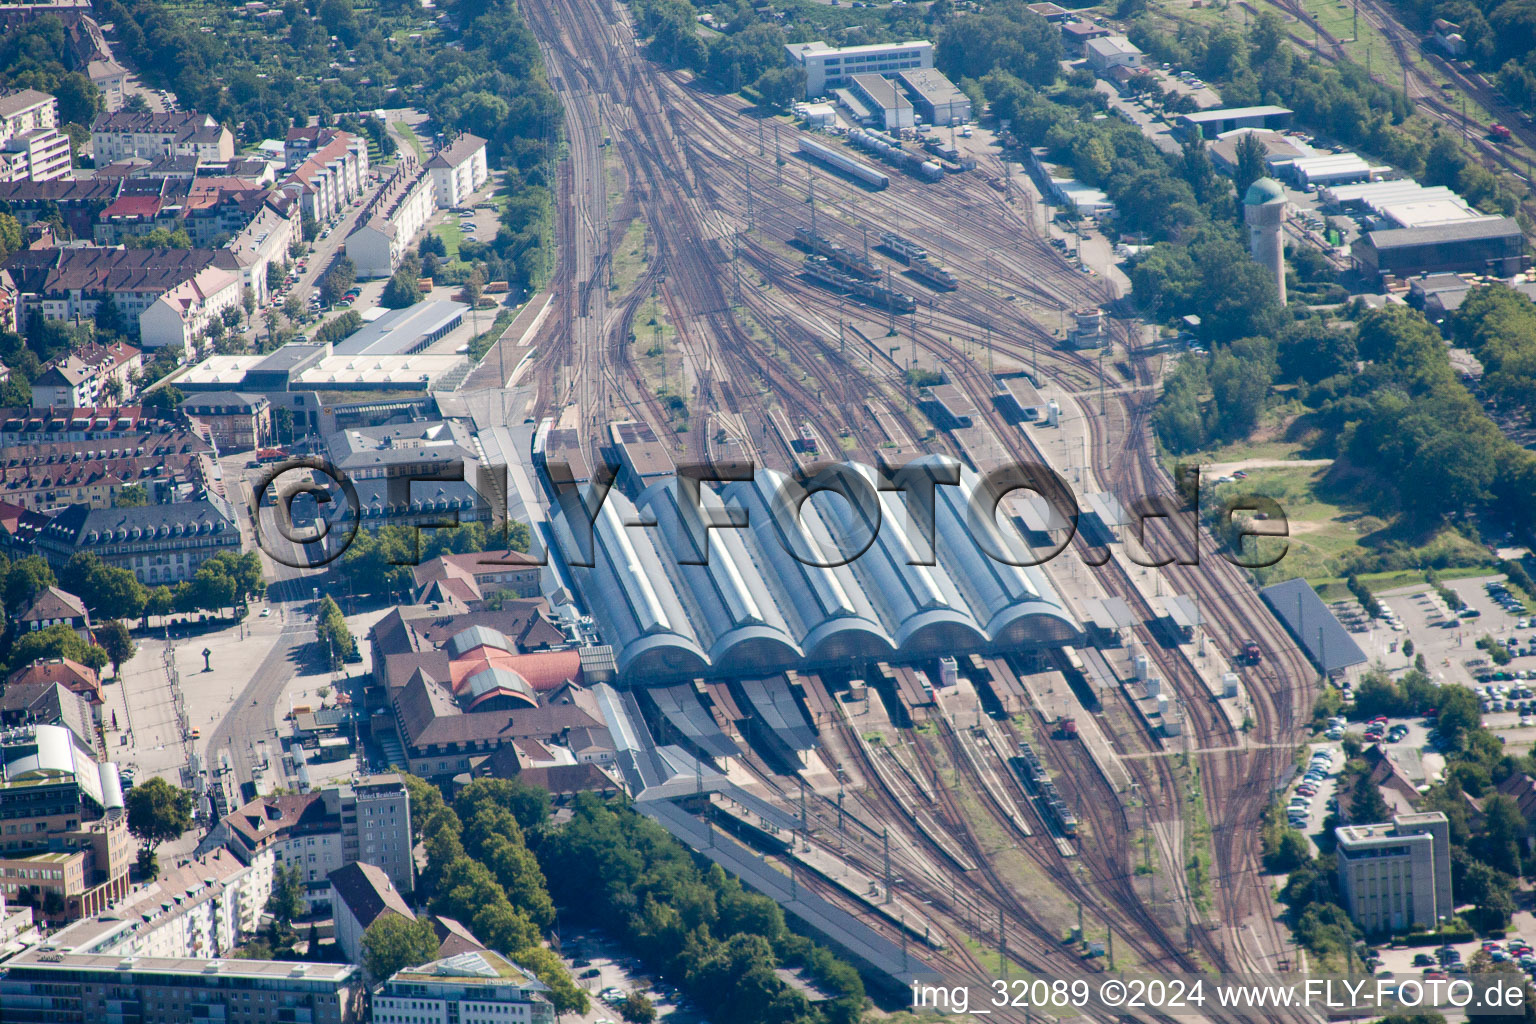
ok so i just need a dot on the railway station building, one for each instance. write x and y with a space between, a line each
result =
676 602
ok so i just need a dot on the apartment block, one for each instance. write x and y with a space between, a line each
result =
1396 875
44 986
326 170
458 169
388 226
367 821
31 146
149 135
63 283
80 378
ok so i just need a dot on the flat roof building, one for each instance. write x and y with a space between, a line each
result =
1490 245
889 105
1397 875
1112 52
829 66
43 986
403 332
937 99
1211 123
476 987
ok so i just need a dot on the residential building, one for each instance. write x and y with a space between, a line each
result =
80 379
1113 52
389 224
24 110
458 169
160 543
25 704
233 420
366 821
181 315
327 169
64 847
111 78
264 240
1396 876
63 283
360 895
52 987
476 987
31 146
149 135
204 908
52 474
828 66
20 425
54 607
76 201
81 680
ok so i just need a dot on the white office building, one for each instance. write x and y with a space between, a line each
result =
1397 875
479 987
827 67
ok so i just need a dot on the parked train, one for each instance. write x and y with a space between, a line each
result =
849 166
916 258
818 269
891 151
1037 782
849 261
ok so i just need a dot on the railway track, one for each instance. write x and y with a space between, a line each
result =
686 170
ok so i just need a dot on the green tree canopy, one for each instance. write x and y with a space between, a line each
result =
158 812
393 943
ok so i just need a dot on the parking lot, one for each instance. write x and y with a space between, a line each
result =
1447 638
608 976
1315 795
1445 961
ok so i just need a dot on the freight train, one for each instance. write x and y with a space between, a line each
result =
891 151
849 261
818 269
849 166
1032 775
916 258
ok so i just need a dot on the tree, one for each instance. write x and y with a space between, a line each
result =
637 1009
393 943
166 398
1366 804
287 899
1459 714
149 864
780 87
131 496
25 579
115 639
158 812
109 591
56 641
401 291
341 276
333 634
158 602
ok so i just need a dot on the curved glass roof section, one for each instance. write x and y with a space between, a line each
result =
754 606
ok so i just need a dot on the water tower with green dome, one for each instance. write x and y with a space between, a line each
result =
1264 210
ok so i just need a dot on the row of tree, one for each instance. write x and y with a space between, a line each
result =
380 562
